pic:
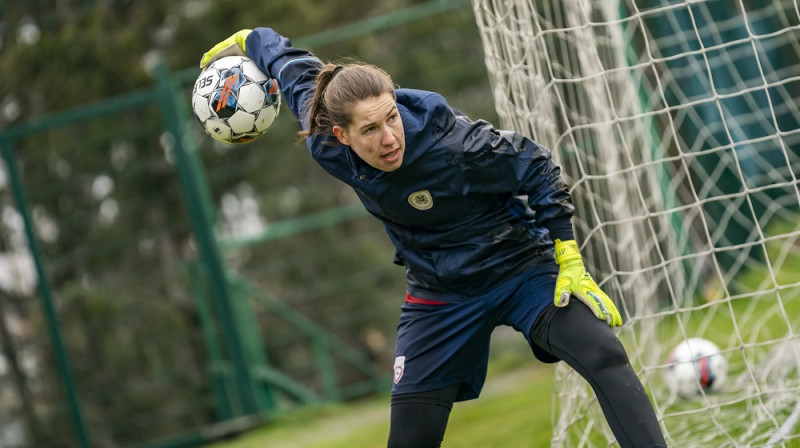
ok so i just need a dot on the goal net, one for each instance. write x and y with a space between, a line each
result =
677 125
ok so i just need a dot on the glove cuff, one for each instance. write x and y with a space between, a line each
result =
567 251
240 37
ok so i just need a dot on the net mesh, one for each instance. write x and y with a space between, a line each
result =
677 127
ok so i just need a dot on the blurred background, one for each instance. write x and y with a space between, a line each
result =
159 289
152 287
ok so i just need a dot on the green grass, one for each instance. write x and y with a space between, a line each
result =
513 411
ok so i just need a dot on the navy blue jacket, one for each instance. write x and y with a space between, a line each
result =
470 206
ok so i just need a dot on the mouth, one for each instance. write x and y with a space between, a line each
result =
392 156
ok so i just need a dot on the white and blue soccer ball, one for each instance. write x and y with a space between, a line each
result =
696 366
234 100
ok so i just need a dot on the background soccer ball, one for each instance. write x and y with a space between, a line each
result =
234 100
696 364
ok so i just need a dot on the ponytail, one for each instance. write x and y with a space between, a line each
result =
318 114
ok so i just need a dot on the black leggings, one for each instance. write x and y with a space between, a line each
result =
586 344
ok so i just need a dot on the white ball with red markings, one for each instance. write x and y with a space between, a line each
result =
234 100
696 366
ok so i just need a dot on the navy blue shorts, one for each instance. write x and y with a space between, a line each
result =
440 345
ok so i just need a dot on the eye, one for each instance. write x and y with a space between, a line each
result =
370 130
392 118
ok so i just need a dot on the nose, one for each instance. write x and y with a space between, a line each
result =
387 137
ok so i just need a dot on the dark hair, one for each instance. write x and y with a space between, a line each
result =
337 88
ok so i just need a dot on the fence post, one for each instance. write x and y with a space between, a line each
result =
204 236
46 296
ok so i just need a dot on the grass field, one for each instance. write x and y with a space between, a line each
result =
513 411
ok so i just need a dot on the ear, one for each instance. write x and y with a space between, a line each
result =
341 134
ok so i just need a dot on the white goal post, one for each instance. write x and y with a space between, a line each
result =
678 127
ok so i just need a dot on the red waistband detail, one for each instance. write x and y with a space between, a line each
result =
417 300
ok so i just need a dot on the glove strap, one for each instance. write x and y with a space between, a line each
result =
567 251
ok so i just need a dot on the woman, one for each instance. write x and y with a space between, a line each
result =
481 220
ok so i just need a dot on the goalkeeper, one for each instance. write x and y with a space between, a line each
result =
481 220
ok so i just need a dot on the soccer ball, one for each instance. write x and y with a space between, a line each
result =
234 100
696 365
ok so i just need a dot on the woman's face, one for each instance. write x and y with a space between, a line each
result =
375 132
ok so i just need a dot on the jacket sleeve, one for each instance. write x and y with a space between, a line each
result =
294 68
497 161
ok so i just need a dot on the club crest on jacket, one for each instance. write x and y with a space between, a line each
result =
421 200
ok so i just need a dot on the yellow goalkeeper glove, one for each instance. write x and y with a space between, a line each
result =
574 280
232 46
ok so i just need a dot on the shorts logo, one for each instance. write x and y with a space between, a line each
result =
399 367
421 200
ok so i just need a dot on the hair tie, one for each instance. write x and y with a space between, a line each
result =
336 70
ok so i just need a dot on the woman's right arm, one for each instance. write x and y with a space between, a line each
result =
294 68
